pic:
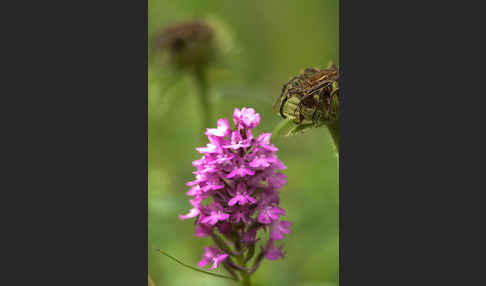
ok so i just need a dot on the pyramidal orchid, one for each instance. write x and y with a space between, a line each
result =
235 194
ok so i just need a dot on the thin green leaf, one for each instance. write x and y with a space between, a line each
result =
194 268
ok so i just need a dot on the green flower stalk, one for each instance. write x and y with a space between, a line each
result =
192 48
189 47
202 86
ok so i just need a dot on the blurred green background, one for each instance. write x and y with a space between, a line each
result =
272 41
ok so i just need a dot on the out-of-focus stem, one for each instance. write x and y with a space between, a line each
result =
202 86
334 131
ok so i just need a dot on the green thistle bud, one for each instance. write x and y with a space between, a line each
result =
311 98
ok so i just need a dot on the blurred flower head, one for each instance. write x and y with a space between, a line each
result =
195 43
186 44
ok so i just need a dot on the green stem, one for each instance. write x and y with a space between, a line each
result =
202 86
245 277
194 268
334 131
246 280
281 127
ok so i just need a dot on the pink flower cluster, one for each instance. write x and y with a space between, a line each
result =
236 191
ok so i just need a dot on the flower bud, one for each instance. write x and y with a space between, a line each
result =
311 98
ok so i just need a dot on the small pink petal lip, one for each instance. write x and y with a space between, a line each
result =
192 213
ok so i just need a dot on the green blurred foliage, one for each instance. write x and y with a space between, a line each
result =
272 41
